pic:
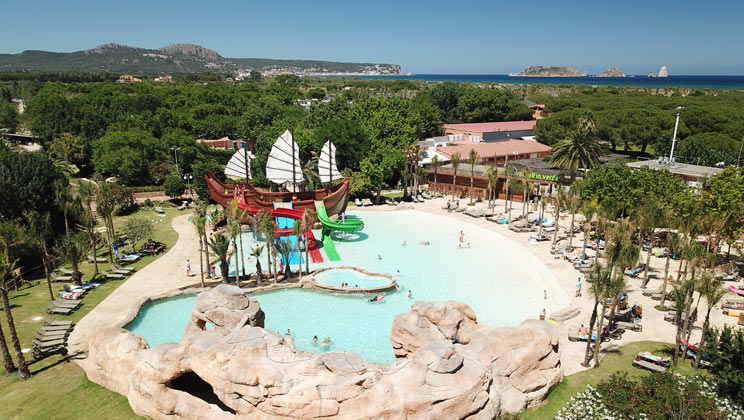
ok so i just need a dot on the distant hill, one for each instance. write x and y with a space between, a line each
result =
175 58
550 71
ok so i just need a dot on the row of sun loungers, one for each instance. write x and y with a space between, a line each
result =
651 362
51 338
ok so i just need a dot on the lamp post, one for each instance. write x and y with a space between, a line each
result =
175 151
674 136
188 178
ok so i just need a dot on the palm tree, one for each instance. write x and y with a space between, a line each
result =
40 229
650 216
237 215
526 195
435 163
558 202
8 270
589 210
88 191
308 221
107 205
233 227
574 204
493 178
578 150
673 243
297 229
612 289
543 204
221 247
679 293
597 278
513 184
472 160
256 253
73 250
285 250
455 163
266 227
713 293
200 224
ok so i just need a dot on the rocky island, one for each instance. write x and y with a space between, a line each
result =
550 71
611 72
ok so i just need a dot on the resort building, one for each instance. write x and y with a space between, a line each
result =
489 131
544 179
498 151
225 143
692 175
128 78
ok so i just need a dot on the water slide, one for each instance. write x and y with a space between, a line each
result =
352 225
282 222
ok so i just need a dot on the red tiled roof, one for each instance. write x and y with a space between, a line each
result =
495 149
488 127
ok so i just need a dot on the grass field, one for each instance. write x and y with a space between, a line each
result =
620 360
59 388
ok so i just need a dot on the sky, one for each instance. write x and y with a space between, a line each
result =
445 37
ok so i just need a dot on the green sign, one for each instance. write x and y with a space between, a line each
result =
543 177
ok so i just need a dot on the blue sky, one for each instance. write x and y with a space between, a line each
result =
477 37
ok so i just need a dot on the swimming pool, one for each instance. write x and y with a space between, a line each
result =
499 279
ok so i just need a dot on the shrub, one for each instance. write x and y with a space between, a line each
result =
724 350
655 396
174 186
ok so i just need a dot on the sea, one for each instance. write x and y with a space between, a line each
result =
693 82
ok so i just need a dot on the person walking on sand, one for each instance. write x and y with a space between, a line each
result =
462 237
578 288
188 268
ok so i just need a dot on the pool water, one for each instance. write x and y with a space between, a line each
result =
499 279
353 278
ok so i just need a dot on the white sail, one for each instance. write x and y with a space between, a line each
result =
327 163
283 164
236 166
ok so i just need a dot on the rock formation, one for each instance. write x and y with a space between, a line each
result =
651 74
550 71
663 72
447 366
611 72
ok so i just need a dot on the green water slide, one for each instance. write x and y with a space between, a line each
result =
350 225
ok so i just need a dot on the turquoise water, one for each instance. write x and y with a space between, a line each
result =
163 321
498 278
353 278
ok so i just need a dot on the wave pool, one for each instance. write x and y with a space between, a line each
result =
501 280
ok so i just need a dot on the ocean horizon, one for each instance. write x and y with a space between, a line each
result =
688 81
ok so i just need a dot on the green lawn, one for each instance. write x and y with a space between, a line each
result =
620 360
59 388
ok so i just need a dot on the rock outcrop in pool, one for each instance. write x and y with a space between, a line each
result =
448 366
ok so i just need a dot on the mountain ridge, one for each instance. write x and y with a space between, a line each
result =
175 58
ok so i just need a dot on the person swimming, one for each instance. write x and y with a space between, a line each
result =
404 243
325 343
315 339
379 257
288 332
410 295
425 243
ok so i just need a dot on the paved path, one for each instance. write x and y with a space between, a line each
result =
157 278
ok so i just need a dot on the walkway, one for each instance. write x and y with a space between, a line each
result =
160 277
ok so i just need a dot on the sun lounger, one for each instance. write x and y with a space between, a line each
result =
122 268
115 270
635 326
43 349
56 278
649 292
57 322
159 209
53 309
64 303
357 202
65 271
475 213
112 276
183 206
460 209
653 358
45 330
97 259
46 337
130 258
642 364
